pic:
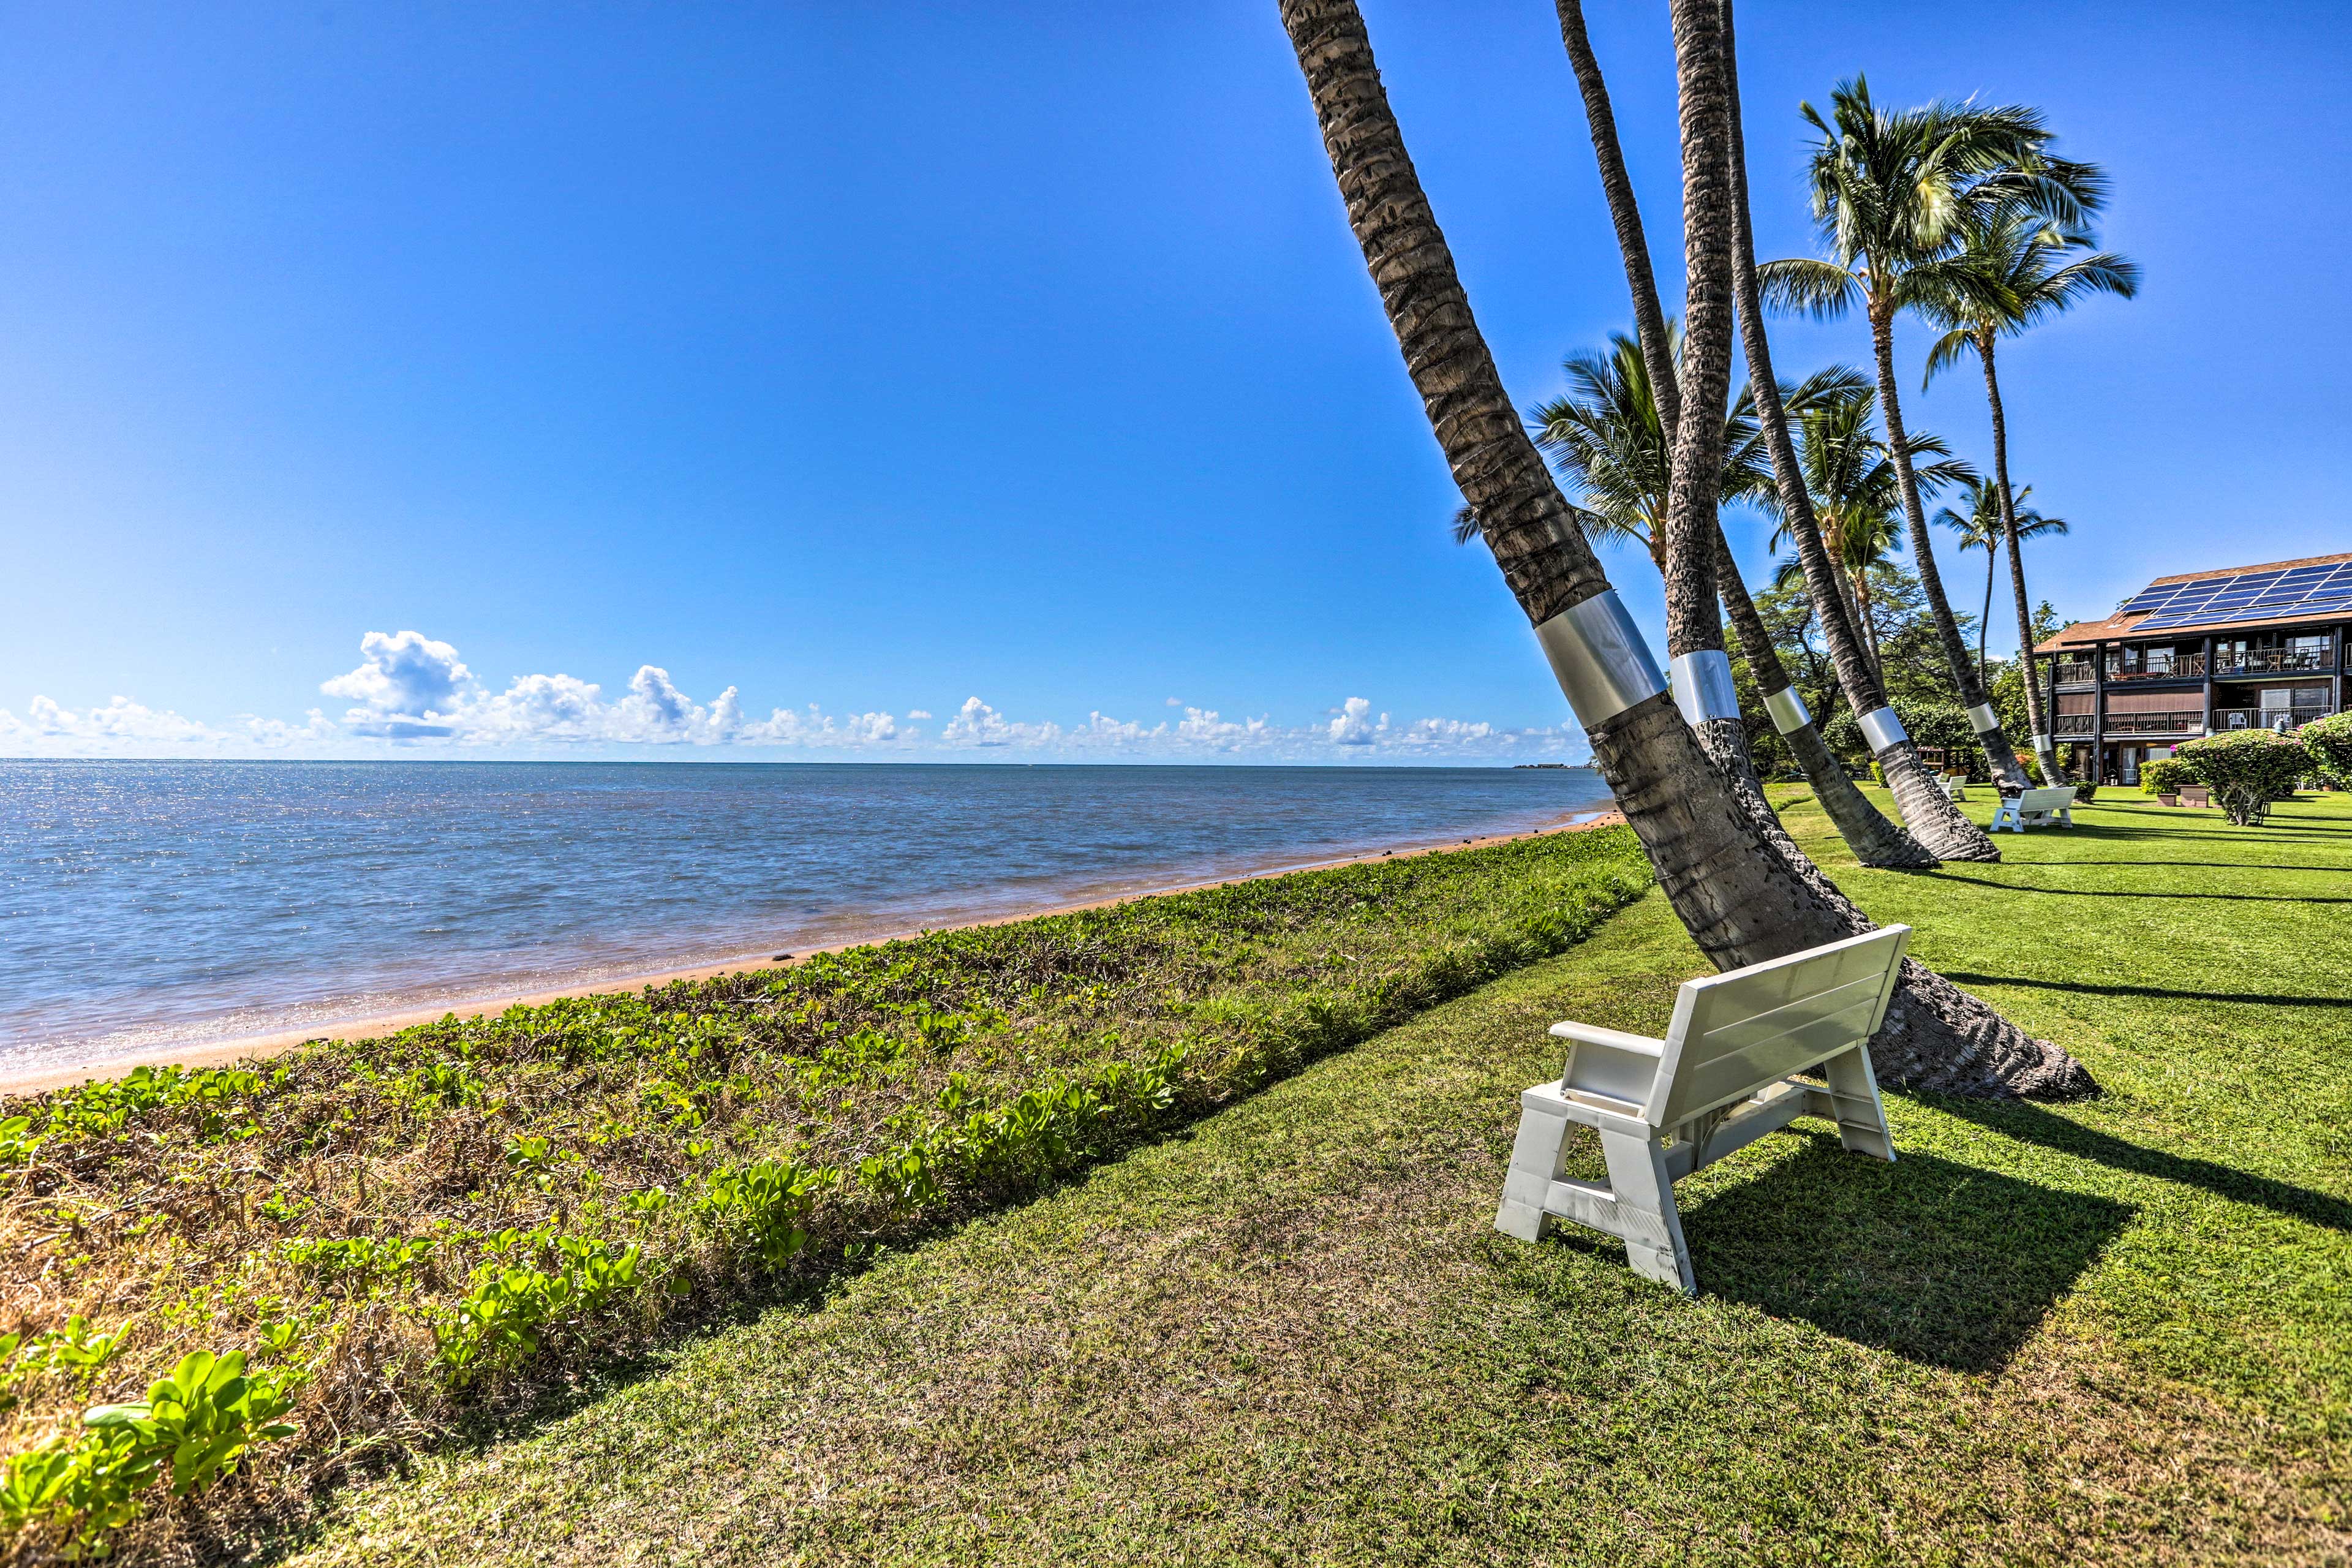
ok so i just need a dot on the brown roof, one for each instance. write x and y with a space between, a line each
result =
2087 634
2258 566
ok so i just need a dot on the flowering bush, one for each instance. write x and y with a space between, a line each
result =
2246 770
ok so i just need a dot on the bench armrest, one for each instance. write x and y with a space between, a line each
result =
1615 1040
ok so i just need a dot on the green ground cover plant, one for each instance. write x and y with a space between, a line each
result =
357 1250
2107 1332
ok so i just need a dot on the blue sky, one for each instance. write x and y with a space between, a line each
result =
1007 365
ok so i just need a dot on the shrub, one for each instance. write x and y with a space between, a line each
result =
2246 770
196 1423
2328 743
2163 775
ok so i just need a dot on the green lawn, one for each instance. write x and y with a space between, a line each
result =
2111 1331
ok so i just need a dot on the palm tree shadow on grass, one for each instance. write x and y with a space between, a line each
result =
1940 1263
2032 1124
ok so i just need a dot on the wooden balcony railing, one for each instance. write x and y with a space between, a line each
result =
2264 718
2268 660
2186 666
2191 723
2079 673
2076 724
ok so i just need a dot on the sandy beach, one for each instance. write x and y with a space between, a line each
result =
221 1053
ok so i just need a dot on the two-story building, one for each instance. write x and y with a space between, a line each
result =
2196 654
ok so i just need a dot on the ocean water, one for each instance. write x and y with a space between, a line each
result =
148 906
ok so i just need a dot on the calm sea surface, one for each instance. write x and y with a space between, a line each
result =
151 906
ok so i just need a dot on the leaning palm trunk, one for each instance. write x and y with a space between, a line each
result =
2001 755
1741 899
1874 841
1934 821
2046 749
1694 474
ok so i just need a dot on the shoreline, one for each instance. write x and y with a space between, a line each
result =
255 1048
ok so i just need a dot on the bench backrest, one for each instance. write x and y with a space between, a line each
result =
1737 1032
2057 799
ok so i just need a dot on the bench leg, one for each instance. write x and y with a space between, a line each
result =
1537 1160
1861 1114
1645 1207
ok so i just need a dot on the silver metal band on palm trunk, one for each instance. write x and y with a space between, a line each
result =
1788 711
1703 688
1983 720
1882 729
1599 658
2040 744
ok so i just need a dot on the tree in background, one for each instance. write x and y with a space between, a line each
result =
1714 215
1985 524
2011 272
1855 487
1890 192
1741 899
1933 820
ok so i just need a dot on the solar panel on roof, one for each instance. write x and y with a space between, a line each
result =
2277 593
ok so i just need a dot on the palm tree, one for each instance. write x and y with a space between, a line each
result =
1890 191
1933 819
1987 525
2010 273
1653 424
1740 898
1605 434
1855 487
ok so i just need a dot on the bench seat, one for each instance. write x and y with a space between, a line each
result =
1725 1073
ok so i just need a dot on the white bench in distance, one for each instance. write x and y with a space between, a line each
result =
1720 1079
1955 786
2035 809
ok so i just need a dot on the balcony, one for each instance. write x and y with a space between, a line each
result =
2184 667
2076 724
2184 724
2264 718
2271 660
2079 673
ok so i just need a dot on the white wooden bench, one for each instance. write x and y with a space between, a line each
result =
2035 809
1955 786
1721 1079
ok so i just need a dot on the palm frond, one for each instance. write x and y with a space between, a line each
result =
1822 289
1946 352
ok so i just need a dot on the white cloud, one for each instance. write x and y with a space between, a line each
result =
1354 726
785 728
413 691
978 724
120 724
405 687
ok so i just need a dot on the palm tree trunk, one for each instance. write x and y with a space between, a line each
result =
2046 749
1694 479
1933 820
1874 841
1999 754
1740 899
1984 622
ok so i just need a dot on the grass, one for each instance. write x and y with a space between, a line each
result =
412 1238
2107 1331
